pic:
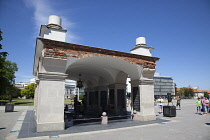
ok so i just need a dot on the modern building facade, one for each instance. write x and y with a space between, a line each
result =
163 85
21 85
71 89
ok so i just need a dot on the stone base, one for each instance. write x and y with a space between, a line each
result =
9 107
138 117
104 120
50 127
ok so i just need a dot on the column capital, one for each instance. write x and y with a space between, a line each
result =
141 82
148 71
147 82
116 85
135 82
51 76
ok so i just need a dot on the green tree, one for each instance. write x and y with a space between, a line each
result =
28 91
7 72
206 94
187 92
2 54
14 91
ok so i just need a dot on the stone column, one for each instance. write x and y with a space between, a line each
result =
97 100
50 102
143 90
135 95
103 98
86 90
90 97
36 97
147 111
116 89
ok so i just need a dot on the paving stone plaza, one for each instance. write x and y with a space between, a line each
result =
185 126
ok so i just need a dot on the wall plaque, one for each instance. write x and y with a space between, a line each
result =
104 98
136 99
111 96
120 98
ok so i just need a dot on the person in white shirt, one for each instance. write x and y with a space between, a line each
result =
160 105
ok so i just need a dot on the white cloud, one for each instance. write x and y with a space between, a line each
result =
21 77
42 10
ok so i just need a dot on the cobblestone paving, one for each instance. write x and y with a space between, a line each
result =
185 126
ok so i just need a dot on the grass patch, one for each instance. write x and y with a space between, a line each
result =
30 102
21 102
68 101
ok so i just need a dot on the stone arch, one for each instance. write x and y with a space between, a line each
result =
121 77
55 61
106 67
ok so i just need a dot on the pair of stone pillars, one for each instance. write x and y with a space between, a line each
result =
49 99
117 97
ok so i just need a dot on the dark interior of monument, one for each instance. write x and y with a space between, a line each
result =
80 114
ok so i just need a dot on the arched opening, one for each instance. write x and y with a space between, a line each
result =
103 73
104 80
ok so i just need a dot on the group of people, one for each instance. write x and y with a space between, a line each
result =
202 103
160 102
203 106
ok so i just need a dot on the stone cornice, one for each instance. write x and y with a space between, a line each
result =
52 76
62 50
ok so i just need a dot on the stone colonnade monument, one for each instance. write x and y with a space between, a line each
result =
103 73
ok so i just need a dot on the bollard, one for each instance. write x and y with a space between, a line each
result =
104 118
135 116
66 121
9 107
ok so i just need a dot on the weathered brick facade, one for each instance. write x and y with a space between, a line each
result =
63 50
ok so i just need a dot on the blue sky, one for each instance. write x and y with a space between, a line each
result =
178 30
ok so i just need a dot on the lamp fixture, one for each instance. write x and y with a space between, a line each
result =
79 82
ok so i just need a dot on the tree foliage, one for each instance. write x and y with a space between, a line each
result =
7 72
12 90
28 91
206 94
186 92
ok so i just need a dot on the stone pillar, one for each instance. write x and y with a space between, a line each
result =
98 96
36 86
147 111
113 99
91 93
143 95
103 98
50 102
86 90
135 96
119 90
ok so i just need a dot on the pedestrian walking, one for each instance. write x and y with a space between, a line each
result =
198 104
160 105
178 103
207 105
203 105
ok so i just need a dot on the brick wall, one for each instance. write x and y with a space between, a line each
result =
63 50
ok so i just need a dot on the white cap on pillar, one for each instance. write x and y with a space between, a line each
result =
141 41
53 30
141 47
54 22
